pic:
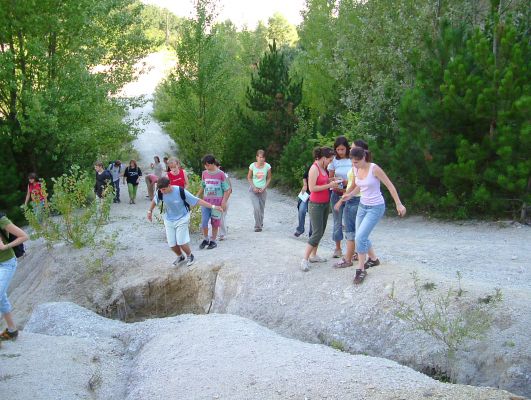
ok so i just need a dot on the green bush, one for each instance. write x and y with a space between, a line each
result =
73 214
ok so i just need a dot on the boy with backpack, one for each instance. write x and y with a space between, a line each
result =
176 202
116 171
11 247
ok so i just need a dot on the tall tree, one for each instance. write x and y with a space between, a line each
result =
273 98
196 99
54 104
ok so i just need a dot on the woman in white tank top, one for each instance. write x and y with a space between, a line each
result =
371 208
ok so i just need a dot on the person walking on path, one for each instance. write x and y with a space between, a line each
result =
151 181
302 205
176 174
338 169
36 195
103 179
259 178
319 206
157 167
215 191
116 171
349 214
176 204
132 176
8 266
371 208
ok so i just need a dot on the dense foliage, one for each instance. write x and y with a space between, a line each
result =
440 89
59 61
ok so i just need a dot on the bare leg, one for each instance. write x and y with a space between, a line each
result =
177 250
186 249
361 260
351 245
9 321
309 251
214 233
372 254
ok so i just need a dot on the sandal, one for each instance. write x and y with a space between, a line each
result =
343 264
360 276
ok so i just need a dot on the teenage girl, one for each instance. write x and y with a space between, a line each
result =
319 206
176 174
338 169
259 178
371 208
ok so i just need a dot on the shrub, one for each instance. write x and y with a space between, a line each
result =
73 214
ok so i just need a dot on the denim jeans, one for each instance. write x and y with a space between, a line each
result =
349 216
337 232
366 219
303 210
116 185
7 270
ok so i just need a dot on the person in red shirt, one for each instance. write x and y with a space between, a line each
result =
35 194
177 175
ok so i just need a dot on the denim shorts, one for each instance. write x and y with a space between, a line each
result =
7 270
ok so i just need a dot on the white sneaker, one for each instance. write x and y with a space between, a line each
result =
304 265
317 259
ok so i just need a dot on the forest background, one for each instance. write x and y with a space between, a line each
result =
439 88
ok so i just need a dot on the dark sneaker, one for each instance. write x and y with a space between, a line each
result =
6 335
204 243
360 276
212 245
371 263
297 234
179 259
191 260
258 229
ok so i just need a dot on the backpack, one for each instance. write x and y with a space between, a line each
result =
183 197
19 250
111 166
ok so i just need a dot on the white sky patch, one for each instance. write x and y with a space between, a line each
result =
240 12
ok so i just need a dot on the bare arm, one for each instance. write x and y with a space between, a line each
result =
250 179
150 210
185 179
28 195
304 185
15 231
312 181
268 181
380 174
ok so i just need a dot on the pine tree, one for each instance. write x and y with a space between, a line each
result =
273 97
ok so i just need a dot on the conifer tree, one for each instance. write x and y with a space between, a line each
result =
273 97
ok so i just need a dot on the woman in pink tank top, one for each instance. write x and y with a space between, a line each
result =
371 208
319 206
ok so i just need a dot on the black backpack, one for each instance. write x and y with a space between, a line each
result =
19 250
183 197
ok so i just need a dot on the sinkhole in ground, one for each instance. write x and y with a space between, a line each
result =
184 291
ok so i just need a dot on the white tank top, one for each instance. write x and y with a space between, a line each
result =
370 189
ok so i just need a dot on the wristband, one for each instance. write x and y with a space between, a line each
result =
150 212
212 206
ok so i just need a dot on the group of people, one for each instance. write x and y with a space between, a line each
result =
213 197
343 177
346 179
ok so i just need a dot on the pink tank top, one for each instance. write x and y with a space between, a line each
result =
370 189
324 195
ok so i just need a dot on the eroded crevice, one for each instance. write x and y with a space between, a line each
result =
187 292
